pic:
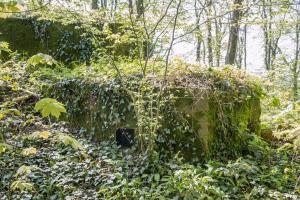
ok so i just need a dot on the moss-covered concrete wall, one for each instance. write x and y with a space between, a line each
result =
20 35
193 122
64 42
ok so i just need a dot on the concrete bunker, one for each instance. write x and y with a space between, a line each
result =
195 121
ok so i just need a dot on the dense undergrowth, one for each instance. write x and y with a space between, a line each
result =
47 160
42 157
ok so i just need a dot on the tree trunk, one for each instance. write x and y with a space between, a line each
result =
245 46
267 29
218 37
233 33
139 8
199 36
130 6
296 67
95 5
103 3
198 50
209 35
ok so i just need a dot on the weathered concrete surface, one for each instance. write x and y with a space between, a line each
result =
192 122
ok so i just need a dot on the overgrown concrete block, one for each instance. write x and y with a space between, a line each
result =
71 42
200 122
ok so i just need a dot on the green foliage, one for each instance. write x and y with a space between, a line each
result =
258 146
41 59
21 186
4 50
7 112
39 135
23 171
49 106
5 147
30 151
8 6
59 171
4 46
69 141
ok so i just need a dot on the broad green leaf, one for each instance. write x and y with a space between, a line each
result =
49 106
41 59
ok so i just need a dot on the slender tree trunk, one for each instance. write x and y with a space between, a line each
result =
130 6
103 3
245 46
218 37
139 8
233 33
95 5
198 32
198 50
204 53
267 28
209 35
296 67
116 5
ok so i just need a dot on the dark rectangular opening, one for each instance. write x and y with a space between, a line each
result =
125 137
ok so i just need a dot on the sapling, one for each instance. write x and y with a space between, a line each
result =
50 107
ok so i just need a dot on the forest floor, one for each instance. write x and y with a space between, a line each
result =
42 160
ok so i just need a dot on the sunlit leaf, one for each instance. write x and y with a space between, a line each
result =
49 106
39 135
31 151
21 185
41 59
4 46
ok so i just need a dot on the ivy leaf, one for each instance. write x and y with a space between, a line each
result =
49 106
157 177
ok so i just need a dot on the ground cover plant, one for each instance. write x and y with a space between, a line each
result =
42 159
44 155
